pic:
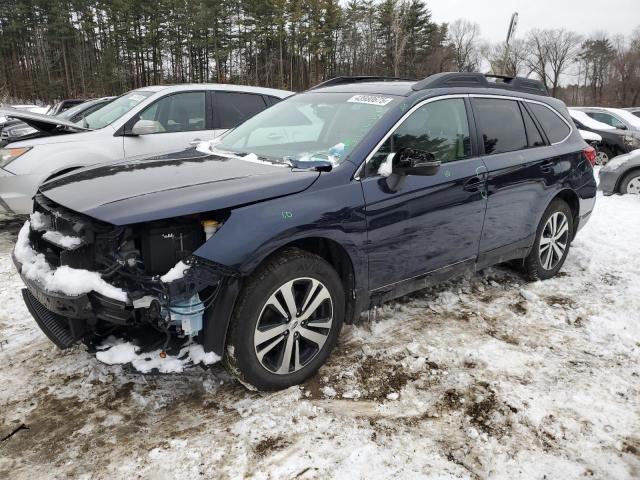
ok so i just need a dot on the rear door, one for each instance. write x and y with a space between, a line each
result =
428 222
230 109
521 163
180 120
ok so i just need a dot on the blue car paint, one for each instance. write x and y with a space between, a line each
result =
433 226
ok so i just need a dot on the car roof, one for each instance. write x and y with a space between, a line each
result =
216 86
394 87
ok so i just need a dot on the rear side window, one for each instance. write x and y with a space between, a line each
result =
533 134
500 124
233 108
552 124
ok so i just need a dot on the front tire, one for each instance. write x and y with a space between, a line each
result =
631 183
553 239
286 321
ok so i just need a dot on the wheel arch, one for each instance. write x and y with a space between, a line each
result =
218 318
621 177
336 255
570 197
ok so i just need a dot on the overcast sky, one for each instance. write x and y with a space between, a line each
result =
582 16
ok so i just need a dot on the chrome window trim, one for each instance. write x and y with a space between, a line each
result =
358 173
528 100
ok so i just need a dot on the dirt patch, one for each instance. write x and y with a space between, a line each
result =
631 446
519 308
270 444
559 300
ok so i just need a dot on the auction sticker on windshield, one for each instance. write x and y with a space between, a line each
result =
370 99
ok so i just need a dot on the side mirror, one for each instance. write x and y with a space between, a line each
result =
408 161
145 127
621 126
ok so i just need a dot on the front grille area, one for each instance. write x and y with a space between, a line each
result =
57 218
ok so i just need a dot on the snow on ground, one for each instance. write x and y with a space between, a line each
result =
483 377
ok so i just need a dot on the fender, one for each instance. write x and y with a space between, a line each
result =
254 232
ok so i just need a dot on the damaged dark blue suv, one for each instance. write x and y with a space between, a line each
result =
329 203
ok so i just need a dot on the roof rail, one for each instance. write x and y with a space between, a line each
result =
480 80
359 78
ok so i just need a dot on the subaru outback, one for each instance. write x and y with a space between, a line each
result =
261 245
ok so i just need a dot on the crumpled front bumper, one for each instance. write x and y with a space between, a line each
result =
84 306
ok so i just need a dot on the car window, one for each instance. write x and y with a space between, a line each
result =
310 126
181 112
114 110
440 128
534 138
552 124
500 124
607 118
233 108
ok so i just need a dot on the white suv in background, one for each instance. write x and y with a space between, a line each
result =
147 121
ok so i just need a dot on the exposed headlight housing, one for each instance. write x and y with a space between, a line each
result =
20 131
632 141
8 155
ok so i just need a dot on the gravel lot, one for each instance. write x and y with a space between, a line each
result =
483 377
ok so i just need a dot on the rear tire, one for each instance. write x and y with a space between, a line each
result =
553 239
603 156
631 183
286 321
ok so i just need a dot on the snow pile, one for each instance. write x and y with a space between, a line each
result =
176 273
61 240
38 221
115 351
65 280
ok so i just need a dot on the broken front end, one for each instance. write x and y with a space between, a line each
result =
87 279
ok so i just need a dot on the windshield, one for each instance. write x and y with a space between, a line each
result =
81 107
308 127
114 110
627 117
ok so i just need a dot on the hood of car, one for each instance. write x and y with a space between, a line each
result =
43 123
173 185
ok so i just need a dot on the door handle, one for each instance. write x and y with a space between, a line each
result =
546 166
473 184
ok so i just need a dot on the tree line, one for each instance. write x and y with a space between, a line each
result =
53 49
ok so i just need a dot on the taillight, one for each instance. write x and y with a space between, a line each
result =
590 154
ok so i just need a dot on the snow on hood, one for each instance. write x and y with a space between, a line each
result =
589 122
115 351
592 136
65 280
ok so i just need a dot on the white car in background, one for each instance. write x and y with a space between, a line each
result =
146 121
614 117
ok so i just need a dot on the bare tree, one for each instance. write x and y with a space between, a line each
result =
551 53
516 58
464 42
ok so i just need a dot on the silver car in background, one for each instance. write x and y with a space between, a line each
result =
146 121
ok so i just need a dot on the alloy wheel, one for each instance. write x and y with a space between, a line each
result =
602 158
633 187
554 240
293 326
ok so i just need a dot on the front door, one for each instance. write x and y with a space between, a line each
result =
181 121
429 222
